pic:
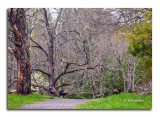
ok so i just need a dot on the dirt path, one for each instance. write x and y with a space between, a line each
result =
55 104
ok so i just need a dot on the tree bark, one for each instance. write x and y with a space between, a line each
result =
129 73
92 86
17 21
101 84
50 50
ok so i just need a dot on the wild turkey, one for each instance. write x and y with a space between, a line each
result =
53 91
63 93
131 91
116 91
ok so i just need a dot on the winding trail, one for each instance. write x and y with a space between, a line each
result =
56 104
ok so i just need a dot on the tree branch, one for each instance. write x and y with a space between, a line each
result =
63 85
40 47
37 85
58 18
41 86
12 83
40 70
11 50
72 71
50 33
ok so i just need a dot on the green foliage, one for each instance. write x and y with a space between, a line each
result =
139 73
16 101
147 64
112 80
120 101
139 37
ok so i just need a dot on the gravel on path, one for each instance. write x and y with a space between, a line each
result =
56 104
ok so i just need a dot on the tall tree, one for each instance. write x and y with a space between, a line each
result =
16 18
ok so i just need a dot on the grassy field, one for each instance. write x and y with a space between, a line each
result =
120 101
16 101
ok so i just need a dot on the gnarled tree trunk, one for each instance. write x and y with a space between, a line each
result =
21 52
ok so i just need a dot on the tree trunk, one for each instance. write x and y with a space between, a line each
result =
101 84
52 83
17 21
129 74
134 68
92 86
124 81
78 86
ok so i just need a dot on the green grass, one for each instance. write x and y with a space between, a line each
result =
120 101
16 101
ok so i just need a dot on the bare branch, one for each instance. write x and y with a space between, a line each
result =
11 50
40 70
72 71
15 42
63 85
50 33
37 85
40 47
12 83
41 86
58 18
